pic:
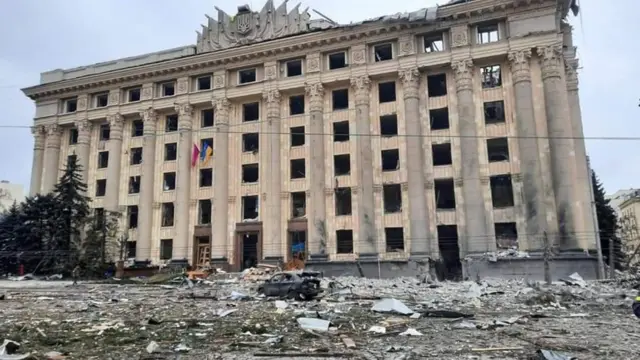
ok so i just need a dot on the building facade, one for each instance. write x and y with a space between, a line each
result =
10 193
443 133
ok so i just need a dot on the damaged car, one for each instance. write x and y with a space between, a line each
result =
293 285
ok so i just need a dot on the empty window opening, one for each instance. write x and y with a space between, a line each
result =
103 159
437 85
102 100
387 92
133 94
171 123
251 111
105 132
250 173
137 128
501 191
298 204
488 33
340 99
131 249
297 136
250 255
206 118
204 83
250 207
298 169
135 156
494 112
132 216
296 105
247 76
341 164
498 149
390 159
167 214
169 181
170 151
168 89
341 131
392 198
70 105
439 118
166 249
134 184
389 125
294 68
344 241
506 235
204 211
73 136
337 60
99 216
449 266
491 76
343 201
101 187
251 142
441 154
383 52
445 194
433 43
206 177
394 238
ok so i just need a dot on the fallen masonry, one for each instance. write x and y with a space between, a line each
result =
223 317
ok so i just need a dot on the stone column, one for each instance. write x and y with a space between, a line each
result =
272 206
530 164
317 213
39 138
112 198
51 157
183 183
560 144
220 218
418 217
145 204
82 148
476 234
367 239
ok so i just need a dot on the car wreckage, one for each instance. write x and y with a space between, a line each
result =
303 285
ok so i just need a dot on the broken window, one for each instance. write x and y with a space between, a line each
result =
488 33
439 118
394 238
137 128
341 164
134 94
70 105
296 105
251 111
337 60
135 157
298 169
343 201
166 249
167 214
101 100
251 142
99 216
501 191
250 173
297 136
344 241
433 43
204 83
169 181
340 99
498 149
341 131
390 159
298 204
204 212
168 89
247 76
101 187
132 216
294 68
449 266
389 125
73 136
387 92
491 76
392 198
134 184
494 112
445 194
506 235
206 177
383 52
131 249
250 207
103 159
437 85
441 154
170 151
206 118
105 132
171 123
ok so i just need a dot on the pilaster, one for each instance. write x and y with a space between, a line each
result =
84 127
272 204
220 218
183 182
145 206
39 137
116 125
51 157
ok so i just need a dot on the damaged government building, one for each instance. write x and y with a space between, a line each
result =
451 134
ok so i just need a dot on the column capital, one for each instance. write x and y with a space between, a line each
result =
39 136
571 72
315 93
84 131
362 86
520 65
222 107
149 120
116 125
410 81
272 99
185 114
550 57
54 133
463 73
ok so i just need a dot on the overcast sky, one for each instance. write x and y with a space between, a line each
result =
41 35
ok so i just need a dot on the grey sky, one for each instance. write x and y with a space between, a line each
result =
42 35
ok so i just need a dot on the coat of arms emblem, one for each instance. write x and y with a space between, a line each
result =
244 23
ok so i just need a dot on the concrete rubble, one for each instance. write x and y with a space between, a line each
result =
222 317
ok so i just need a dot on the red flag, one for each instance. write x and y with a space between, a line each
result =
194 155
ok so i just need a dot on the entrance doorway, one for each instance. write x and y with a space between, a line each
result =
203 251
449 266
249 250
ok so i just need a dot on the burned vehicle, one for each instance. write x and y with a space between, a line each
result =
294 285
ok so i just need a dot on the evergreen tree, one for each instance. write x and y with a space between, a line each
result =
607 223
8 223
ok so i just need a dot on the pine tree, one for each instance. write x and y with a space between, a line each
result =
607 223
8 224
